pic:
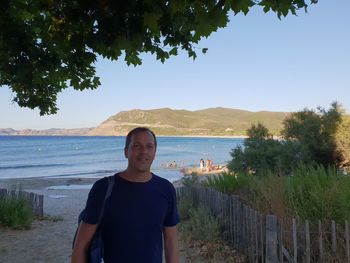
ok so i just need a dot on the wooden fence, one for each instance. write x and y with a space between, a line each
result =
35 200
263 238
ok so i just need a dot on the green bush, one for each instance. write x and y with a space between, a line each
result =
184 207
201 226
228 183
318 193
308 137
15 213
312 192
191 180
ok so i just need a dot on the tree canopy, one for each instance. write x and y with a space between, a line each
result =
47 46
316 131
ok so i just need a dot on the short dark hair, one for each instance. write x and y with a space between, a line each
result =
137 130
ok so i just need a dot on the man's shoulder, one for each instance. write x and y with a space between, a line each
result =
101 184
162 181
101 181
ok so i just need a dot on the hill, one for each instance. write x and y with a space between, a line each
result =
206 122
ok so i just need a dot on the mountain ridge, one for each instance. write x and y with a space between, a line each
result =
206 122
217 121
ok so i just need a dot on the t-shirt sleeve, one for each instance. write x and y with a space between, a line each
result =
95 201
172 217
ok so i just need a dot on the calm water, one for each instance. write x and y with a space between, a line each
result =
52 156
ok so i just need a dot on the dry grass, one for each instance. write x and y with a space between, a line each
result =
204 252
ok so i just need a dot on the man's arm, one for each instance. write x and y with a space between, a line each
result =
82 242
171 245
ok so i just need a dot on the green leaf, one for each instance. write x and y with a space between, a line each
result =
150 20
173 52
192 54
241 6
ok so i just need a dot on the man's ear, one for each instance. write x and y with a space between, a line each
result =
126 152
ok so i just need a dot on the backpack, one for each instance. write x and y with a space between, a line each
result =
95 253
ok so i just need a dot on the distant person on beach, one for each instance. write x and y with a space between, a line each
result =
140 215
201 164
174 164
207 165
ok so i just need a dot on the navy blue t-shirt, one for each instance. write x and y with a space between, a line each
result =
134 218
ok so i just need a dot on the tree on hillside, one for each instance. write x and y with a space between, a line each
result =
46 46
316 132
258 154
310 137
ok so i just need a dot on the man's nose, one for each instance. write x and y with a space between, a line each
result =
142 148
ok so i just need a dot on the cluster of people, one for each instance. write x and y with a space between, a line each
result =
206 165
171 165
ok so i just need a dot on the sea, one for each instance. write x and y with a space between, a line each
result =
97 156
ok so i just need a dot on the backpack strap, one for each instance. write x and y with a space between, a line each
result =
111 180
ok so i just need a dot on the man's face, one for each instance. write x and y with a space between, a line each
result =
141 151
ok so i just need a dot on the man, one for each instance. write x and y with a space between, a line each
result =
141 213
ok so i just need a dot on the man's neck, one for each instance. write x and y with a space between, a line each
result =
134 176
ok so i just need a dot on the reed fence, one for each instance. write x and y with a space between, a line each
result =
35 200
264 238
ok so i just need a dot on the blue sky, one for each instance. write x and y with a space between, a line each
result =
256 63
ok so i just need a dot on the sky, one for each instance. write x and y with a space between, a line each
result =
256 63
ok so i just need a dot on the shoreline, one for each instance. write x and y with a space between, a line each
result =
84 135
57 184
41 183
73 183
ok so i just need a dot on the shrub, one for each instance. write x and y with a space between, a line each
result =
15 213
228 183
201 226
313 193
191 180
309 137
184 206
318 193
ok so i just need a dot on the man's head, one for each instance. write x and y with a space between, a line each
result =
140 149
136 130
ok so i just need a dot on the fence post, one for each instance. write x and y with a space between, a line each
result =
334 238
3 193
271 239
235 220
307 241
320 240
295 240
262 244
347 241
